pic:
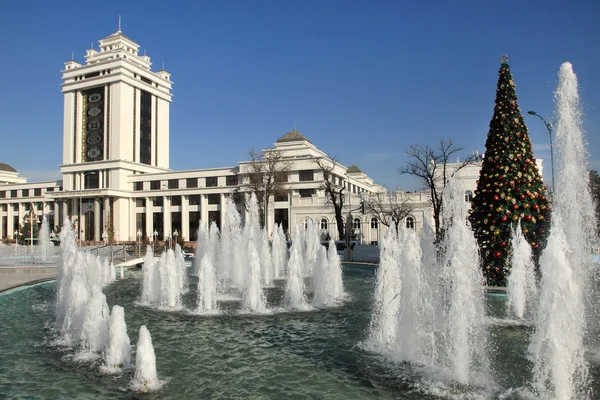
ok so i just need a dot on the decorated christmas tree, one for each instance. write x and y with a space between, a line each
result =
509 187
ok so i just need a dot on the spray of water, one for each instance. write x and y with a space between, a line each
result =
557 346
521 287
146 377
118 352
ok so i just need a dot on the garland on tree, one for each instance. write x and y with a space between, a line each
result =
509 187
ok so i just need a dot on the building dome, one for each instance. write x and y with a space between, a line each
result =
353 169
6 167
292 136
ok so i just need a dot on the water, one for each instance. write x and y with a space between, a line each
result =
309 355
207 286
521 288
557 347
118 351
145 378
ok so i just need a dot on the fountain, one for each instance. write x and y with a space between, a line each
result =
207 286
557 346
294 289
45 245
145 378
118 352
427 328
94 333
521 288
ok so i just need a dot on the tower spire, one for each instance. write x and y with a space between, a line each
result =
119 24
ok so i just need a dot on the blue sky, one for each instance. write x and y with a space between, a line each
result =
361 79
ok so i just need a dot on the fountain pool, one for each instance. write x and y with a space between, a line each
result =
308 355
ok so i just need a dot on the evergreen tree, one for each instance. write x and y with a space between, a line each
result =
509 187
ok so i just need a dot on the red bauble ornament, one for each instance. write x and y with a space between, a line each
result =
504 219
515 206
522 196
497 254
496 197
503 244
527 218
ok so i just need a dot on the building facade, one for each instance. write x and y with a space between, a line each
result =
115 166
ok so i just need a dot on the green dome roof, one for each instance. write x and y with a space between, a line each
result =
6 167
292 136
353 169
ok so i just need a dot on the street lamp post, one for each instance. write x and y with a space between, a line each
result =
80 227
155 234
32 219
549 128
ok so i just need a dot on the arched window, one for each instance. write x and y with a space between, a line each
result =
374 223
356 223
410 223
307 222
468 196
323 224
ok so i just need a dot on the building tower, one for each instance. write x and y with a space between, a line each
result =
116 124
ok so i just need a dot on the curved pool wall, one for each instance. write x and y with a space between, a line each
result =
304 355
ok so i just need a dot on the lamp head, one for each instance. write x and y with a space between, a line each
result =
531 113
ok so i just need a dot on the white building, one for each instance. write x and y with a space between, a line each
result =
115 164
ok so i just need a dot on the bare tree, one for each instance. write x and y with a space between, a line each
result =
267 173
431 166
334 189
386 207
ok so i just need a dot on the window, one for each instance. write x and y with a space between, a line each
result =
173 184
307 222
468 196
374 223
281 197
194 199
50 189
37 192
306 192
231 180
211 181
176 200
158 201
281 176
25 193
3 194
140 202
323 224
138 186
307 175
155 185
214 198
13 193
356 223
410 223
191 183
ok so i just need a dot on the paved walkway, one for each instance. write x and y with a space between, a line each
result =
12 277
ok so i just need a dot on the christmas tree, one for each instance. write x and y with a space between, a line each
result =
509 187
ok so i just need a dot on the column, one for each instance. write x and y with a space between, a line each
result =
106 205
204 208
166 218
19 216
57 220
185 218
65 209
149 219
97 212
9 220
